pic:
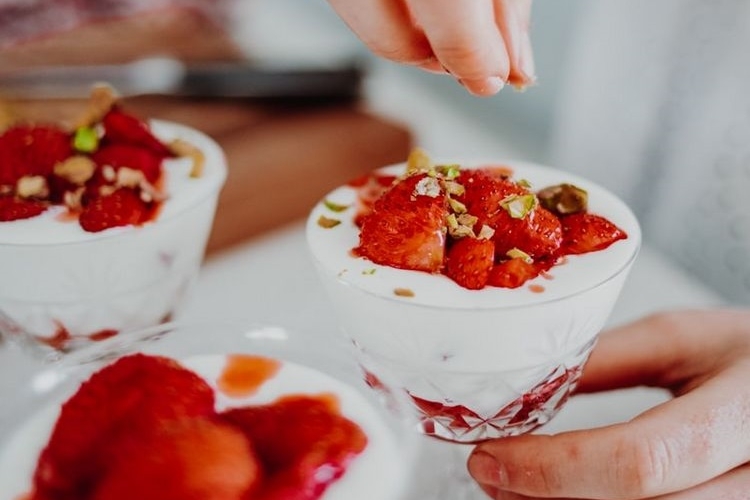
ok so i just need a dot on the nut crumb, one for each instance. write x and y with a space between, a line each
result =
101 100
32 186
327 222
182 148
76 169
403 292
129 177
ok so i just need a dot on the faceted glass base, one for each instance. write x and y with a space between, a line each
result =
521 412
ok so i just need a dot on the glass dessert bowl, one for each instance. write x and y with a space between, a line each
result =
484 359
73 274
311 435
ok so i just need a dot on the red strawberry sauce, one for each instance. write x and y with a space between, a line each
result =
245 374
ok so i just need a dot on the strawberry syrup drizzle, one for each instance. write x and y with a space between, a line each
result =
243 374
62 337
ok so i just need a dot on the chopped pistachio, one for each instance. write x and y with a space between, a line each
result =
454 188
102 98
72 199
457 206
86 139
418 161
486 232
403 292
516 253
449 172
524 183
368 272
451 221
327 222
461 231
564 199
334 207
519 206
467 219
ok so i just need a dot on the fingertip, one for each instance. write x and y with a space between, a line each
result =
483 87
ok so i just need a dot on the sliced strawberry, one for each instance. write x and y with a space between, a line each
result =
121 208
406 229
513 273
585 232
469 261
14 208
131 156
538 232
303 442
196 458
123 128
369 189
134 396
31 150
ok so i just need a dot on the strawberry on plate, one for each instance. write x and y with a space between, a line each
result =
123 128
121 208
469 262
407 226
28 150
585 232
189 459
14 208
131 397
303 442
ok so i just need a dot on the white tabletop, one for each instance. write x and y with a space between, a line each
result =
271 279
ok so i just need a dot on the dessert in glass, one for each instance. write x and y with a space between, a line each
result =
215 411
480 286
103 223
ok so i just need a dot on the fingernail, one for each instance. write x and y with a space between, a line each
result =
486 470
485 87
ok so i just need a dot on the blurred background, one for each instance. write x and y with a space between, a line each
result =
648 98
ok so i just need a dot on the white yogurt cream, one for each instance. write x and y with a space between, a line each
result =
380 471
478 348
55 274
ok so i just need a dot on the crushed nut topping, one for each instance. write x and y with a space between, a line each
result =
564 199
184 149
486 233
427 186
516 253
403 292
76 169
32 186
109 174
327 222
129 177
101 100
418 161
72 199
519 205
457 206
334 207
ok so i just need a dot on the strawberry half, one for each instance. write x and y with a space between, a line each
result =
121 208
406 229
304 444
469 262
585 232
132 397
190 459
14 209
123 128
27 150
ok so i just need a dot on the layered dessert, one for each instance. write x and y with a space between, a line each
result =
103 222
215 427
481 286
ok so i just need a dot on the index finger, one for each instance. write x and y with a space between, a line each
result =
466 40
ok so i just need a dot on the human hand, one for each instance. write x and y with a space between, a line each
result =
484 44
693 447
